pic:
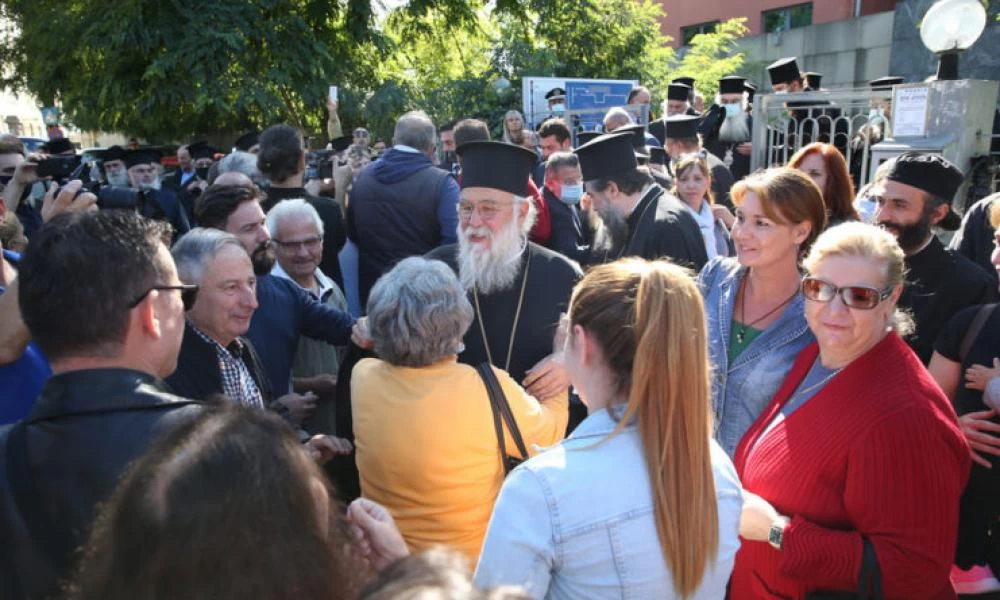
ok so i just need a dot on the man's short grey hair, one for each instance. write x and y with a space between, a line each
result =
290 208
196 248
558 160
239 162
418 313
617 117
416 130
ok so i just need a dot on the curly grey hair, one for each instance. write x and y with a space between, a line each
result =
418 313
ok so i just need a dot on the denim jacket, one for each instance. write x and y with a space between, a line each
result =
741 390
576 522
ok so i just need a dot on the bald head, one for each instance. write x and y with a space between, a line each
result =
233 178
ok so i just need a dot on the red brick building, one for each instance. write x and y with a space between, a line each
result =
685 18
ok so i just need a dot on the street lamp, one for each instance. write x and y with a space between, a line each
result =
949 28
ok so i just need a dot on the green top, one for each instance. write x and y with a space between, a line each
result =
736 346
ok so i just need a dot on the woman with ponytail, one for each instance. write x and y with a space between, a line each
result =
640 501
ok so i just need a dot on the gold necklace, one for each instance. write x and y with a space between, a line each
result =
517 317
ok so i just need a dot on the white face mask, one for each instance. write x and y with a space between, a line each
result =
558 108
733 109
781 91
875 116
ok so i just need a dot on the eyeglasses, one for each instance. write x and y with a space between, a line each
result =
189 293
853 296
309 244
487 210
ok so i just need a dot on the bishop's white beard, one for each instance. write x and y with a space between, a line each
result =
155 185
490 269
734 130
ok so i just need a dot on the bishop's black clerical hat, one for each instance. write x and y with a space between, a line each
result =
606 156
688 81
115 152
885 83
732 84
657 155
784 70
585 136
679 91
143 156
199 150
496 165
813 79
638 133
342 143
247 141
682 126
57 146
933 174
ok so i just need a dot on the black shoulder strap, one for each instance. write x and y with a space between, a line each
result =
982 315
501 409
870 582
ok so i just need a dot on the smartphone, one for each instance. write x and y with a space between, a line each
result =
333 93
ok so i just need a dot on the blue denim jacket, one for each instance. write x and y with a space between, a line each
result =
576 522
741 390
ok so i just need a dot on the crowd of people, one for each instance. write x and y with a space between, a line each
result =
558 364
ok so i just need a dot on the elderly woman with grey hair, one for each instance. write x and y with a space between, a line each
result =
423 423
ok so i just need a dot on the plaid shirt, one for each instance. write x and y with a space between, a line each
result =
237 383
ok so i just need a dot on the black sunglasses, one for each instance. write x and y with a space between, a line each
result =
189 293
853 296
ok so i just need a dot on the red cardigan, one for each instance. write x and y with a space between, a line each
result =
877 452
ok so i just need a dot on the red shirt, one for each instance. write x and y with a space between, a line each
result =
877 452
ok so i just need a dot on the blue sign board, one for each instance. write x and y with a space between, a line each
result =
588 94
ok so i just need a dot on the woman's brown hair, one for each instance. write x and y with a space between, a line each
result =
787 196
694 160
223 506
838 194
640 313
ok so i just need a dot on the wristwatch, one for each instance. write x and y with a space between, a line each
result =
775 535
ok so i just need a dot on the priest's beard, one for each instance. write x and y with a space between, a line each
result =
912 236
490 269
734 130
613 231
118 180
153 185
263 259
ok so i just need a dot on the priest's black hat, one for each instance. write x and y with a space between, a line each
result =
682 126
784 70
115 152
199 150
638 133
555 93
933 174
57 146
342 143
813 79
679 91
247 140
732 84
606 156
143 156
496 165
885 83
585 136
657 155
688 81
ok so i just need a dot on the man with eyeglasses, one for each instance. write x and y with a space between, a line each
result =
517 288
297 232
914 198
110 320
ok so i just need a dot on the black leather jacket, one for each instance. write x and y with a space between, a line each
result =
83 431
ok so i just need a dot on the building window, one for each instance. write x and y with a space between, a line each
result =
783 19
688 33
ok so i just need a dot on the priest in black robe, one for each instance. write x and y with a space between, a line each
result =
915 197
639 218
726 127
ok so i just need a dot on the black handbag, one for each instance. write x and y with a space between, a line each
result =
869 583
501 410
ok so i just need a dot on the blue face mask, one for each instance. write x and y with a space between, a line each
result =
733 109
558 109
875 116
571 194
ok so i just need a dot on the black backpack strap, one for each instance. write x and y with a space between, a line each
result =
975 328
486 373
870 581
500 404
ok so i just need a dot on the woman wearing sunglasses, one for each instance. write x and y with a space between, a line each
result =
859 444
752 301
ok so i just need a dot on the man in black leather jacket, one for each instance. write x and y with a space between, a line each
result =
100 295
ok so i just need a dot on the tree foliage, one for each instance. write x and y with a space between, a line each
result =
173 69
712 56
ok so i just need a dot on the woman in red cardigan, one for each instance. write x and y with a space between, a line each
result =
859 442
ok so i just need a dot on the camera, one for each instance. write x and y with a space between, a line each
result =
320 163
58 167
108 197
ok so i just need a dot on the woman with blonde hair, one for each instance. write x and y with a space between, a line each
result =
513 127
640 501
858 459
693 185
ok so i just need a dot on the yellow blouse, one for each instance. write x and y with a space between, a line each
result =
427 449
